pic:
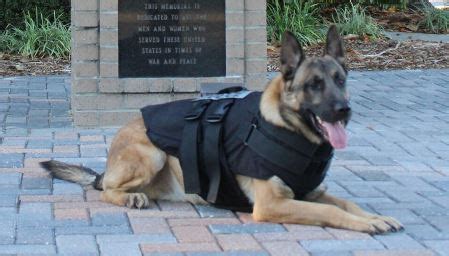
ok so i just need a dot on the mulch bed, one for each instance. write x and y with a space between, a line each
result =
403 21
382 54
361 54
16 65
391 20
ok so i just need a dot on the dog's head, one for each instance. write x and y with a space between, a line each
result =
315 88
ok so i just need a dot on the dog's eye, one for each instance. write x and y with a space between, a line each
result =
339 80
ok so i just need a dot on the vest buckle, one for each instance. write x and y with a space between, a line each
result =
197 110
219 111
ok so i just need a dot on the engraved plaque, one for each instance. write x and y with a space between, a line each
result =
171 38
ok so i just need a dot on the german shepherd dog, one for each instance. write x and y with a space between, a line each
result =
308 97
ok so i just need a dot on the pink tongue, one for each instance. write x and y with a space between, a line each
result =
337 134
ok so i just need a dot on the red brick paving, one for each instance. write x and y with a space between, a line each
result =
201 222
285 248
51 198
64 214
192 234
149 225
293 236
238 242
186 247
346 234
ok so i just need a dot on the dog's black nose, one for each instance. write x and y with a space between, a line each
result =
342 108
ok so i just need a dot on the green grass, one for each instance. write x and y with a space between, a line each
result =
435 20
40 37
352 19
298 16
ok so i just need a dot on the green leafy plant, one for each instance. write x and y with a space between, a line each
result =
352 19
435 20
40 37
381 3
298 16
9 10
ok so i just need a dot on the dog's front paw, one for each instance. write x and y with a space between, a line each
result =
137 200
379 226
375 225
392 222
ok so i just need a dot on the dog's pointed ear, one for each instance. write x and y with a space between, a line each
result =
291 55
334 45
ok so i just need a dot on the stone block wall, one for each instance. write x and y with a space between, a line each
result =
101 98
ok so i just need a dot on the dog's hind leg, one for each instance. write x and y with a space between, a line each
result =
129 171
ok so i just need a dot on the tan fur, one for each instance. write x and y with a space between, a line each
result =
270 104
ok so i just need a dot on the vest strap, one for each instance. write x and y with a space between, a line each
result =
213 145
189 147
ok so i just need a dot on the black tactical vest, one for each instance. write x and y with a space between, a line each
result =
217 139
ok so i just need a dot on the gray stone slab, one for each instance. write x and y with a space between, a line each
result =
27 249
11 161
12 178
229 253
405 216
399 241
94 230
119 249
137 239
8 200
16 142
439 246
425 232
36 183
340 245
7 232
42 235
76 244
207 211
67 189
37 209
109 219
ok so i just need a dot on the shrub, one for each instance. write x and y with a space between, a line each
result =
381 3
435 20
298 16
11 10
40 37
352 19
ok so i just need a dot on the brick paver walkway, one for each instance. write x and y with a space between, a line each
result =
396 164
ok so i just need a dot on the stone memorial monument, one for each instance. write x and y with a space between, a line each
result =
127 54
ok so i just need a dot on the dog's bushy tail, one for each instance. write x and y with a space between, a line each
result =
77 174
